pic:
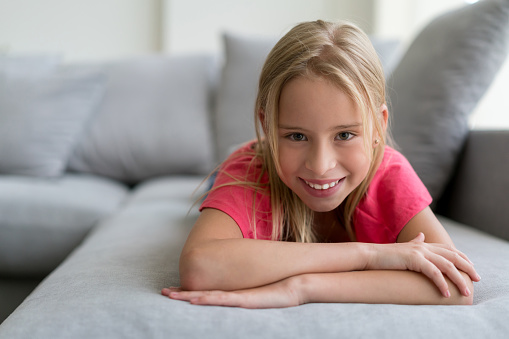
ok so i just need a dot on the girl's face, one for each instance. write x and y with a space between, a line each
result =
321 143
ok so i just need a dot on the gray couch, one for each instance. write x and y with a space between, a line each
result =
100 210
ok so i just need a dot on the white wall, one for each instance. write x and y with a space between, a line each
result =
196 25
80 29
109 29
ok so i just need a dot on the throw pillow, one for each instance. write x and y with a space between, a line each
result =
28 65
154 120
440 79
41 117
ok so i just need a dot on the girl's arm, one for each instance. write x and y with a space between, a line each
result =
371 287
216 257
375 286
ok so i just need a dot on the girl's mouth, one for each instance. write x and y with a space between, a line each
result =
325 186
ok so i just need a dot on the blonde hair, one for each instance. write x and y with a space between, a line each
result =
344 55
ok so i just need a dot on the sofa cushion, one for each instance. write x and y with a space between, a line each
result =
168 189
439 81
110 288
42 220
477 194
244 59
41 117
29 64
153 121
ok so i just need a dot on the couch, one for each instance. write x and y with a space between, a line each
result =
102 164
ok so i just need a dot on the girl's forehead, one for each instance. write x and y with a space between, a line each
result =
316 98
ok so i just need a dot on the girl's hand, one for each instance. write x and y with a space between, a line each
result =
433 260
276 295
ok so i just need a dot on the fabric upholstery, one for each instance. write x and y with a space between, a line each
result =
439 81
28 65
234 113
42 220
477 195
41 117
152 107
110 288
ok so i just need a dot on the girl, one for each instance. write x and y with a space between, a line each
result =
318 208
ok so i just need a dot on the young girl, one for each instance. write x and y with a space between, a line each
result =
318 208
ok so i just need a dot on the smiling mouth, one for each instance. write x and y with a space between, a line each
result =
322 187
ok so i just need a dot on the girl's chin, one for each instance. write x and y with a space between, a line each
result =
323 207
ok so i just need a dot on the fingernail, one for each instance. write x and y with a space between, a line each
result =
467 292
165 291
447 294
478 277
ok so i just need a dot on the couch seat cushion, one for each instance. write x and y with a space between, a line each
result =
110 288
42 220
170 189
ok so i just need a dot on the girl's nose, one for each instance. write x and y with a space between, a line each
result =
320 160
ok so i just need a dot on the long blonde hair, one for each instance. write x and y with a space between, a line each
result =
344 55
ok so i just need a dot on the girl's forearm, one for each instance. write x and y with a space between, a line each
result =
233 264
376 287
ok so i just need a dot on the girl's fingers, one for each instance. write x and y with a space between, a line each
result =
216 298
418 238
187 295
448 268
168 290
430 270
460 261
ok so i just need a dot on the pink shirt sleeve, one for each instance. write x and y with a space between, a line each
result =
395 195
241 201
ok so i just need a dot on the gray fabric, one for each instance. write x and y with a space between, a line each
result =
174 188
478 194
152 107
42 220
234 113
244 58
438 82
13 292
109 288
28 65
41 117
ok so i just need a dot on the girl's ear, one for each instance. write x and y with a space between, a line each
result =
261 117
385 116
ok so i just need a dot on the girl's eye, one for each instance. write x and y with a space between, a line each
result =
344 136
297 137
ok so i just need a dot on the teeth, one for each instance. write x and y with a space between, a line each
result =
322 187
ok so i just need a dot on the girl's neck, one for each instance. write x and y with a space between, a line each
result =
328 227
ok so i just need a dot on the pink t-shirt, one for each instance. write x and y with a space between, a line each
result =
395 195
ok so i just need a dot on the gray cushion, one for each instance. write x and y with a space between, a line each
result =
110 288
42 220
41 117
438 82
28 65
244 58
154 120
478 194
234 112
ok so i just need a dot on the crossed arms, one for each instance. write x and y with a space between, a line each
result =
219 267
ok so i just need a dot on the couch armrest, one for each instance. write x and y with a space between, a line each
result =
478 194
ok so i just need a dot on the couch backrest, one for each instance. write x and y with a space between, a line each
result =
154 119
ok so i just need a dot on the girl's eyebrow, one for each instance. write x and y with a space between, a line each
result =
338 127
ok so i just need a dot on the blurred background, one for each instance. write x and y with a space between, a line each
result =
100 30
